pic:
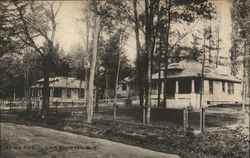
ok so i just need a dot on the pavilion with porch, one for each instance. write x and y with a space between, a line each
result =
184 84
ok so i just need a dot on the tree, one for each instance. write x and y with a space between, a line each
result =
139 76
9 42
181 11
113 47
146 22
38 21
11 80
174 12
96 31
77 60
241 42
157 16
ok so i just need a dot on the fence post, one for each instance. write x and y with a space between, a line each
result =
30 107
143 115
3 104
185 119
56 106
10 105
38 105
247 112
202 119
114 114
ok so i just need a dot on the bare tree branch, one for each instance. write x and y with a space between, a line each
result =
26 31
187 33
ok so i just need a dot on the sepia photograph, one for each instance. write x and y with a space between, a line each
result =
125 78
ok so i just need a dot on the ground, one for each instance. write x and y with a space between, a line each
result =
33 141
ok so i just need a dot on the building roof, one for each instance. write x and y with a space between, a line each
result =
186 68
62 82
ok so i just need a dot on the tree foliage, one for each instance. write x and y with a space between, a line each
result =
9 42
12 77
109 56
240 35
38 26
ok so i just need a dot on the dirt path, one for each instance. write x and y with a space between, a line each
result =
32 141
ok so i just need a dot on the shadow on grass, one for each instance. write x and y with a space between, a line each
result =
173 117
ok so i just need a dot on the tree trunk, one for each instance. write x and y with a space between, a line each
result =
218 46
14 92
97 94
167 53
116 85
159 89
106 87
139 71
45 93
244 88
139 81
149 54
87 49
92 70
202 121
210 43
159 78
87 84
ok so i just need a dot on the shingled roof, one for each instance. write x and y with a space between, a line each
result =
62 82
186 68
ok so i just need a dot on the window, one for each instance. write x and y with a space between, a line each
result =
211 88
68 93
58 92
81 93
230 88
223 86
124 86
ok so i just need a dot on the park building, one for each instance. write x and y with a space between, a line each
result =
184 83
126 88
63 90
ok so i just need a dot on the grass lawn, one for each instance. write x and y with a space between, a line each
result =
216 117
225 142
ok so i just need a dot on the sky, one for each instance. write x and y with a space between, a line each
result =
68 34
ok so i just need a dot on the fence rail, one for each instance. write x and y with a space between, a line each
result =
21 104
37 104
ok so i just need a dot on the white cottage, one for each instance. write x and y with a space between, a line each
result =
125 88
62 89
183 86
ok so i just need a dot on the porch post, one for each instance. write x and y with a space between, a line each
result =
226 87
176 87
176 92
162 89
192 85
193 95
